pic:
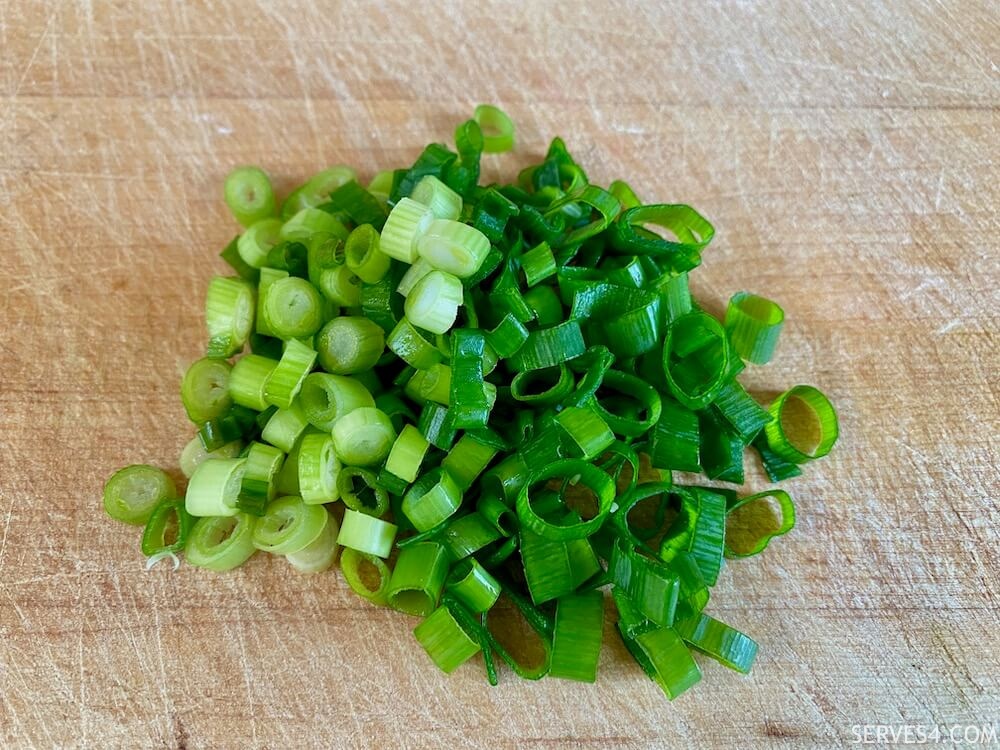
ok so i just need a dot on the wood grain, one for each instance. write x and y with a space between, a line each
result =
847 154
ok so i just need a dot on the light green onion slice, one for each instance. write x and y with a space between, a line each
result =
205 389
293 308
407 453
365 533
249 195
443 202
221 543
407 222
248 381
318 469
289 525
433 303
285 426
349 345
326 398
359 569
256 242
363 437
215 487
229 315
497 127
321 553
132 493
363 255
194 454
286 380
453 247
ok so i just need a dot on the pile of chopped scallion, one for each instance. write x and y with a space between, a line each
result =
454 386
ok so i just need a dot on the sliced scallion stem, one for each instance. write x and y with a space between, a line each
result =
133 493
221 543
363 437
215 487
249 195
365 533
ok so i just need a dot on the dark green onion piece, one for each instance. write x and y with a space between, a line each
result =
445 640
792 449
418 578
473 585
754 324
168 518
665 659
696 359
593 478
370 497
760 538
726 645
576 641
469 406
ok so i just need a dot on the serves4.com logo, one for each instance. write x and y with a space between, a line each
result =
925 734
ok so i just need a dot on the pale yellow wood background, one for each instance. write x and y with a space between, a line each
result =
848 155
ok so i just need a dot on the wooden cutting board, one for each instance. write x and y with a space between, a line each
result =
847 155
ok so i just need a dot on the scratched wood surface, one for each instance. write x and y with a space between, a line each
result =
847 154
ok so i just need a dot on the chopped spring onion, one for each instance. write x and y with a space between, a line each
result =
497 127
205 389
229 314
453 247
363 255
293 308
215 487
508 376
248 381
194 454
433 302
349 345
133 493
792 447
754 324
363 437
445 640
167 529
367 534
260 476
289 525
351 564
407 454
407 223
576 640
318 469
249 195
221 542
254 244
326 398
321 553
418 578
443 202
286 379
